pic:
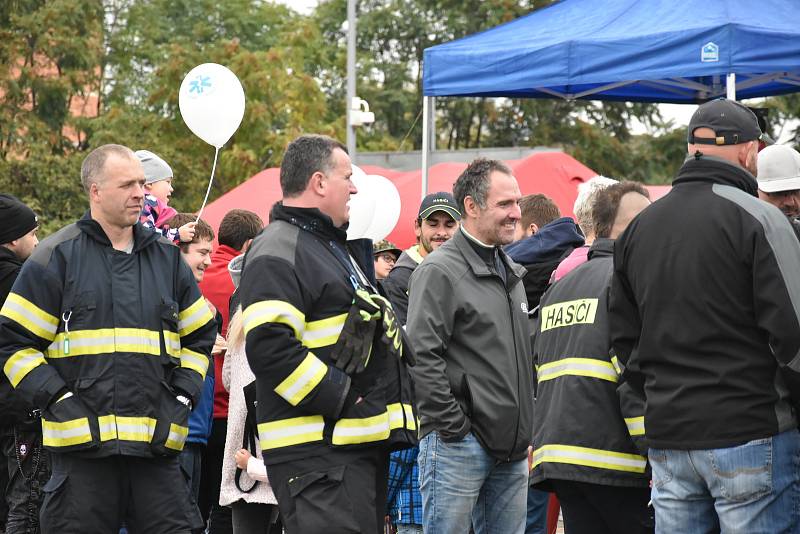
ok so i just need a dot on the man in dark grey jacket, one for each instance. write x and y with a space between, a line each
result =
468 324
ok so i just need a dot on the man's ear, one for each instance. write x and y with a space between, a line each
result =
318 183
533 228
246 246
470 206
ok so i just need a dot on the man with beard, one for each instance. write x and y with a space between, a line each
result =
779 181
436 223
705 317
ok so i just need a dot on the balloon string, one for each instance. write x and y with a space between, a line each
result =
211 181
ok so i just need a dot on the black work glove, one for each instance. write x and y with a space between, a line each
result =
354 346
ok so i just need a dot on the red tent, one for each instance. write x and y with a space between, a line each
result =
555 174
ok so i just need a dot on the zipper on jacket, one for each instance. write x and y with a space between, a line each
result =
516 359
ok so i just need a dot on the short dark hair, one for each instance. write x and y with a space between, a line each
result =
94 164
538 209
474 181
606 205
303 157
202 231
237 227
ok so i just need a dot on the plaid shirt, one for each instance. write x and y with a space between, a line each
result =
403 499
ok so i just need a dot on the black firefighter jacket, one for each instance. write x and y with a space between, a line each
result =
471 335
583 431
102 341
296 291
705 311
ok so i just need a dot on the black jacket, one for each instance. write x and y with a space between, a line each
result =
122 333
582 432
12 408
471 335
541 253
705 311
296 291
396 284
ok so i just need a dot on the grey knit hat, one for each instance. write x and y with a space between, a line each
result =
155 168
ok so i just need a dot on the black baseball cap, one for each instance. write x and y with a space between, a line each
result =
733 123
441 201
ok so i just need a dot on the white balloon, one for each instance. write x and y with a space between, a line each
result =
386 198
362 205
211 101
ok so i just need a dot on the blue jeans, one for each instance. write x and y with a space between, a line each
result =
752 488
536 522
461 484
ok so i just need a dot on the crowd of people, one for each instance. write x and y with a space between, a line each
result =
638 363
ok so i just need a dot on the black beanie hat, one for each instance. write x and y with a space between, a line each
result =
16 219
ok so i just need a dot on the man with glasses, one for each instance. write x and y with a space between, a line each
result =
386 255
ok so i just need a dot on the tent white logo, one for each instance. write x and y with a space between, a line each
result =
709 52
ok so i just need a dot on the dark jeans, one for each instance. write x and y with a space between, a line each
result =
95 496
598 509
255 518
338 492
28 471
536 521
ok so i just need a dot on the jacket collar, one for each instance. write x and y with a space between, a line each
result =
601 248
7 255
142 237
479 267
709 169
309 219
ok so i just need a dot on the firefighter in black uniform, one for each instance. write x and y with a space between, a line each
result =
334 394
106 333
584 433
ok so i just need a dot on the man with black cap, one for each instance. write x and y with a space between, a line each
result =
18 226
27 463
436 222
779 181
705 316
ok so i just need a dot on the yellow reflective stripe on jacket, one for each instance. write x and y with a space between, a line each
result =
274 311
21 363
615 363
194 361
569 454
105 341
65 434
194 317
588 367
172 342
312 334
361 430
400 414
287 432
323 332
635 425
126 428
30 316
177 437
303 379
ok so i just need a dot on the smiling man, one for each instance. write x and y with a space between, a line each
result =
310 310
106 333
435 224
468 324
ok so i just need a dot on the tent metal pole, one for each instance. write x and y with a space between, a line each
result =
426 138
351 77
730 84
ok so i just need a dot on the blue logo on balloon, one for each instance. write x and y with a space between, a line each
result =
200 84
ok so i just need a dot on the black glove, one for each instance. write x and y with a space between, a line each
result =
354 346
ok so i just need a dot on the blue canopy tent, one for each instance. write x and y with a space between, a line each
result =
679 51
